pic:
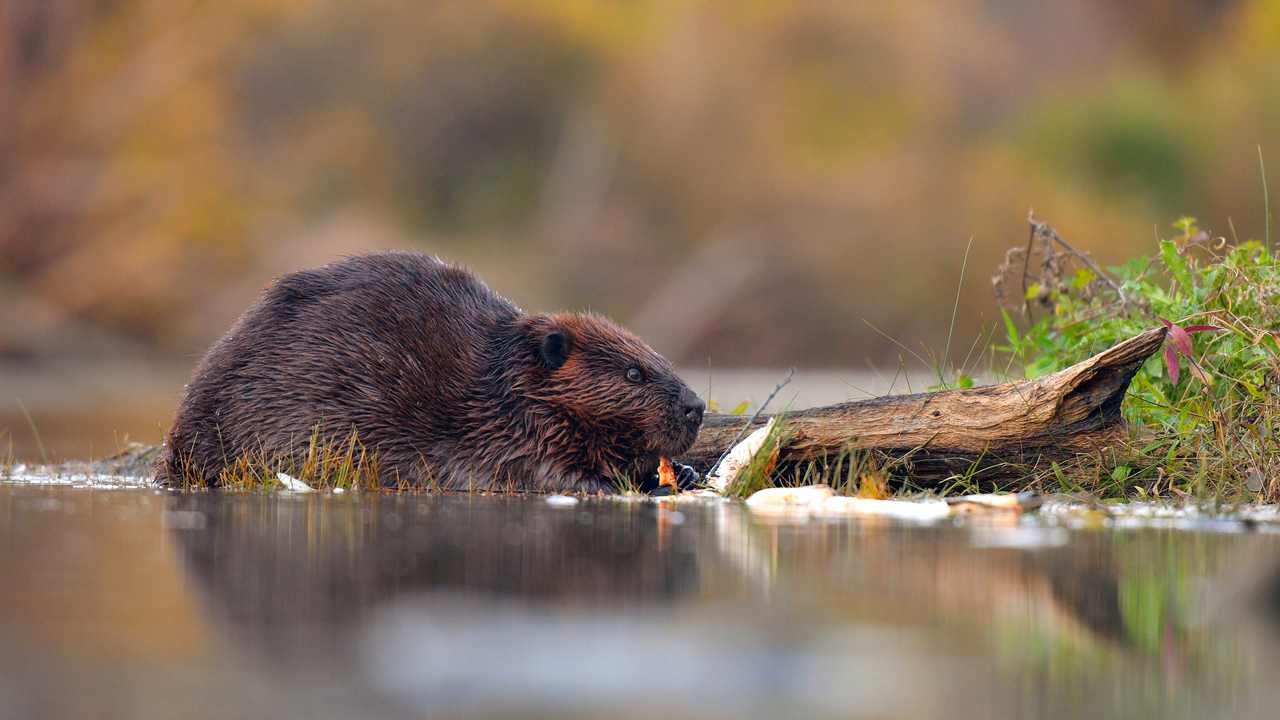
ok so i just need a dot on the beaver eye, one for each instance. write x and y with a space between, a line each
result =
635 375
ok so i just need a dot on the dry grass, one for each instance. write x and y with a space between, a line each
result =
325 464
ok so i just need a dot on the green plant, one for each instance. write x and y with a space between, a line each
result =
759 473
625 484
1211 432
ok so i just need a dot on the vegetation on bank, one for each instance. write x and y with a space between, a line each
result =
1206 415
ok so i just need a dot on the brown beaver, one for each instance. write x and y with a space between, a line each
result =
449 383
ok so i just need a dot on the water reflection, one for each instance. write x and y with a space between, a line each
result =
403 606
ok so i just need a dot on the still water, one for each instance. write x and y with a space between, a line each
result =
121 601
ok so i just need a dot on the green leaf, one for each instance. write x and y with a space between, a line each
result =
741 408
1082 278
1040 366
1010 329
1033 291
1177 264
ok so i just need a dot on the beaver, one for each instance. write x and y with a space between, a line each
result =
450 384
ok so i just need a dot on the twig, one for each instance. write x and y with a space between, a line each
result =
1026 260
1042 229
741 433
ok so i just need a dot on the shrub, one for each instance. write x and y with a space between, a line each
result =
1207 415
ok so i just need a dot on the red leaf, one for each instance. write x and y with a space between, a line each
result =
1200 328
1179 338
1171 362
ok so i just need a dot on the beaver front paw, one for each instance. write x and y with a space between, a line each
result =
686 479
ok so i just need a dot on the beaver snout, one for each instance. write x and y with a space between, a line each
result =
691 408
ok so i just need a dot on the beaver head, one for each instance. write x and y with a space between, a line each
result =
621 397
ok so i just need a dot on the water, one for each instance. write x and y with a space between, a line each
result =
121 601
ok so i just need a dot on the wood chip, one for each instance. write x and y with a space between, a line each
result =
667 474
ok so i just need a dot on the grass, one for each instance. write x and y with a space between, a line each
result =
855 472
9 458
626 485
1266 200
35 433
955 308
852 471
324 465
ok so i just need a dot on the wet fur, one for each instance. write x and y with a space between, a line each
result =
449 383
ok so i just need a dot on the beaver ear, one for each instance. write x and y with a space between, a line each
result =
555 349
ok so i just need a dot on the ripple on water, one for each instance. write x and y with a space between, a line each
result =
37 475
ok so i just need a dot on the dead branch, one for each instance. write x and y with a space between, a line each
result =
1005 432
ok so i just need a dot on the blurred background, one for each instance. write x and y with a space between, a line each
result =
746 184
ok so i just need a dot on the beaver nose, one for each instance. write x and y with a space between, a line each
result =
692 407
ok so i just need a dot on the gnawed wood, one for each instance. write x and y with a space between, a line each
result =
998 430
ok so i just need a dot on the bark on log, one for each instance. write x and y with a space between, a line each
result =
1003 431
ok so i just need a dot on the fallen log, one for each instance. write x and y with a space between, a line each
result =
993 434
